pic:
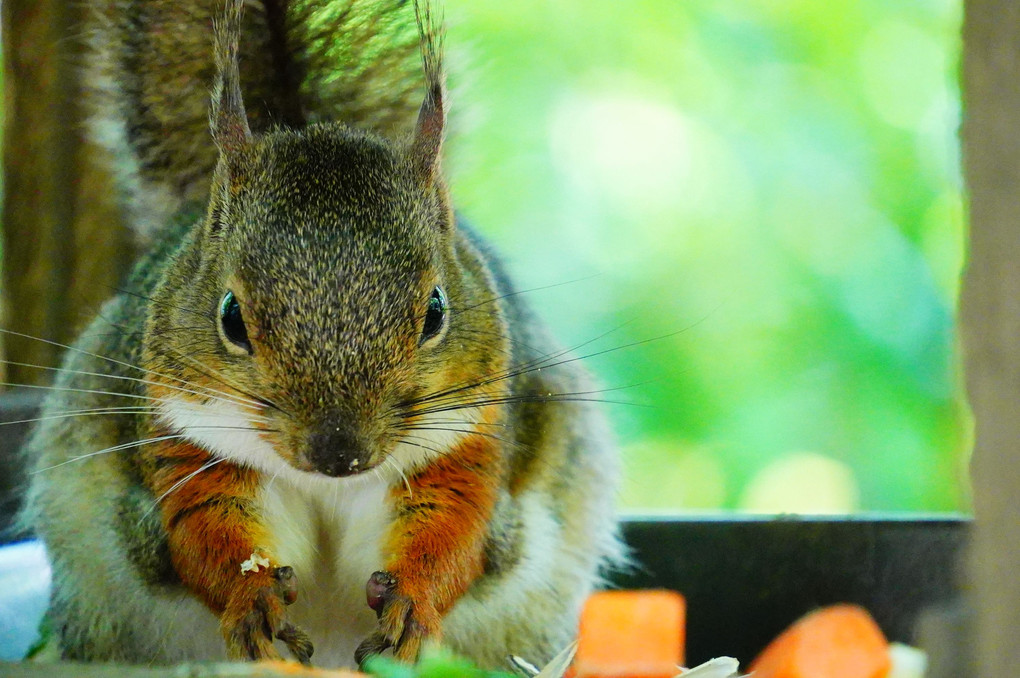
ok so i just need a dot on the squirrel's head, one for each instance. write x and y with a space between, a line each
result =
319 294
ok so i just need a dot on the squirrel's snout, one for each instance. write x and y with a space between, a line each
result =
336 451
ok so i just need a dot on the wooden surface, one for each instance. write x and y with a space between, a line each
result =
262 670
62 247
990 308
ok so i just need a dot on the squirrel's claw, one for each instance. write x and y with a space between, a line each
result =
249 625
402 622
256 616
370 647
297 641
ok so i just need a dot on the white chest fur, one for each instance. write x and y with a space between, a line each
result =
332 533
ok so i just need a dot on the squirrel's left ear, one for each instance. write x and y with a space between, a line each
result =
228 119
428 133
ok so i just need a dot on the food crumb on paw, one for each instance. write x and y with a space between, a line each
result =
254 562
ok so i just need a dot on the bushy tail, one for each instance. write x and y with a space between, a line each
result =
151 70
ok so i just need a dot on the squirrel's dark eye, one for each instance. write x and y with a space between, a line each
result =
232 323
435 315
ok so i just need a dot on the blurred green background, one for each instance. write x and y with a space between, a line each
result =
774 181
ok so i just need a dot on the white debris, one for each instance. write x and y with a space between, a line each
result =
558 666
554 669
720 667
253 563
907 662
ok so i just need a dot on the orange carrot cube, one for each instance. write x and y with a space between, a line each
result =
841 641
631 634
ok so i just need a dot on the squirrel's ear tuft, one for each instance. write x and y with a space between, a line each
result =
428 133
228 120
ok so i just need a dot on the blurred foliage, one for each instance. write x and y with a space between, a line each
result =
435 663
771 184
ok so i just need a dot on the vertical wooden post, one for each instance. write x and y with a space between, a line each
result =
62 249
38 148
990 310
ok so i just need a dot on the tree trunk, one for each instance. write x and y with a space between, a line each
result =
63 249
990 308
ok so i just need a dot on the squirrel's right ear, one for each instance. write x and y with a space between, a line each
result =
228 119
427 142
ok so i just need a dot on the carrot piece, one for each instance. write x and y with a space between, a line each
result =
841 641
631 634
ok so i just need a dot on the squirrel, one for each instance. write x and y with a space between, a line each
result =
324 419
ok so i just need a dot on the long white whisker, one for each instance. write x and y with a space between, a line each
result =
484 434
406 439
78 390
115 448
549 360
206 393
83 413
67 347
467 422
219 375
377 471
400 472
224 428
139 443
135 409
272 480
100 392
203 467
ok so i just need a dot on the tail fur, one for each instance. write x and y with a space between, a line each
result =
152 67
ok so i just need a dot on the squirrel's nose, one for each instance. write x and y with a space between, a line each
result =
337 451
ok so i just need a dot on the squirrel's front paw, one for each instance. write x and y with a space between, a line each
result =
404 624
256 614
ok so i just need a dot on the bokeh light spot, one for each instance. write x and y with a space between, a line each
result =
802 482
